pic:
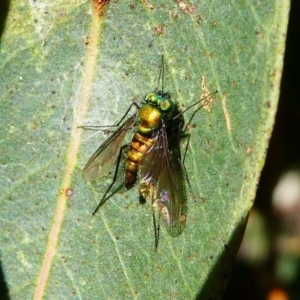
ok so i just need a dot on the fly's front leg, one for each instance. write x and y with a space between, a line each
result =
116 125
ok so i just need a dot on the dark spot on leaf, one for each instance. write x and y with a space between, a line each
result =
159 29
199 19
174 15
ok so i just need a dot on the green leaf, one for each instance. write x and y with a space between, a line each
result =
63 66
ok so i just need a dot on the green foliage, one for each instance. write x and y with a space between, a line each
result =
234 47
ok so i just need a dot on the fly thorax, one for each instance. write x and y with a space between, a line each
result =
158 106
149 119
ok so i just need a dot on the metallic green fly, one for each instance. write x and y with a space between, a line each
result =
153 157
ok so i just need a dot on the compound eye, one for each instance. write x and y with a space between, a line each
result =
165 105
151 97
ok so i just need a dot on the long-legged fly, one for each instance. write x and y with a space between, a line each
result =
153 157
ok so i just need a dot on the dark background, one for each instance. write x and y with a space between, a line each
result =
263 280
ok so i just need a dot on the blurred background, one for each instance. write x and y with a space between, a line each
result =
268 263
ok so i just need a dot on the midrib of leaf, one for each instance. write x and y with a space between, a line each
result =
80 110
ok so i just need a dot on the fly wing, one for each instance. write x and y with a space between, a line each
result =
106 155
162 179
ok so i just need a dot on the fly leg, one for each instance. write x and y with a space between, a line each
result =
118 124
156 227
102 201
203 102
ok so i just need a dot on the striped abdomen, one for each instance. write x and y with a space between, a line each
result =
139 146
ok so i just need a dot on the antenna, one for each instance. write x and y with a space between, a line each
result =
161 75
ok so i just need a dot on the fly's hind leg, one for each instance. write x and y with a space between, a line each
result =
156 227
102 201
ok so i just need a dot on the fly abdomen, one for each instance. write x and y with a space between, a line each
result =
139 146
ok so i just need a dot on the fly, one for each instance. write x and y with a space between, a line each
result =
153 157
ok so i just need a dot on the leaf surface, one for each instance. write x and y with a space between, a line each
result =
62 66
